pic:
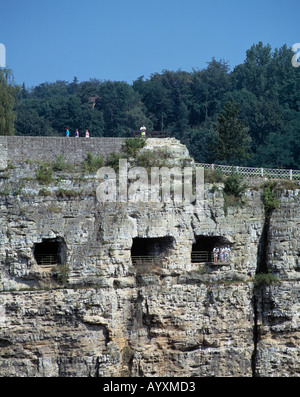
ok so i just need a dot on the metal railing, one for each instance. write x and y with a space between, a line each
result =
208 257
154 134
46 260
250 172
201 256
144 260
196 257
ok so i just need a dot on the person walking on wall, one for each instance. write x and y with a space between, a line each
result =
67 133
87 134
76 133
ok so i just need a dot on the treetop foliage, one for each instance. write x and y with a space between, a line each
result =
261 126
7 99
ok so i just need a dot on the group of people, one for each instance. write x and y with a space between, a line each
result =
221 254
87 134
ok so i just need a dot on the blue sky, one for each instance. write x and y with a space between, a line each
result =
122 40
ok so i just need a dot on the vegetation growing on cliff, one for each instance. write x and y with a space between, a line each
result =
234 187
92 163
44 174
133 145
263 279
270 197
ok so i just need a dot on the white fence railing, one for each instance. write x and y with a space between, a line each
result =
249 172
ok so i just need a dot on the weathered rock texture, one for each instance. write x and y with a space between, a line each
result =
101 314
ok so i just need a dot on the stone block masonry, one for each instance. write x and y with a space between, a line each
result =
3 152
20 148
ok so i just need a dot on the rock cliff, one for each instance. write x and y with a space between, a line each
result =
93 288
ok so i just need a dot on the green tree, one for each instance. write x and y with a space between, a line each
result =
294 126
265 86
198 141
276 152
28 122
7 101
253 74
122 108
155 96
232 139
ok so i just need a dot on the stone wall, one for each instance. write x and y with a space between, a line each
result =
17 149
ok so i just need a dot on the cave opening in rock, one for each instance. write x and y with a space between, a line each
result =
50 252
203 246
153 246
147 254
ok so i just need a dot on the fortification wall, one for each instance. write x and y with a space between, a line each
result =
17 149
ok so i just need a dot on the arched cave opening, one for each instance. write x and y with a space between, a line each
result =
147 254
50 252
153 246
203 246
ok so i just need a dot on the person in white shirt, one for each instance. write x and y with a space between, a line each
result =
143 130
215 254
227 251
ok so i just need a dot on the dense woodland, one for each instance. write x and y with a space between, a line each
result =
248 116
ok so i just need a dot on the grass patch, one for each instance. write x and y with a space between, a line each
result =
113 160
234 189
92 163
61 165
61 273
44 192
157 158
234 185
270 197
132 146
44 174
214 176
232 201
66 193
288 185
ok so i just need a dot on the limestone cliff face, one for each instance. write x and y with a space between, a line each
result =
100 310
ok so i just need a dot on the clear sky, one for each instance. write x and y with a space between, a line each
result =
121 40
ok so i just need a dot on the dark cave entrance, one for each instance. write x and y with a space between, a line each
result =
203 246
50 252
147 254
153 246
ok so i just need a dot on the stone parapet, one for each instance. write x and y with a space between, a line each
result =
19 148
